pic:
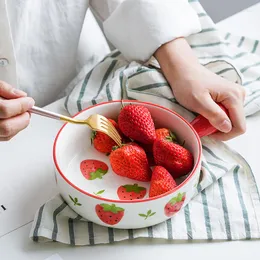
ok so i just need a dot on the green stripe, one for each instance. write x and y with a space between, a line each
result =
151 86
205 148
38 223
130 234
193 1
225 209
202 14
130 98
207 30
242 203
71 229
187 221
227 36
67 99
241 54
241 41
255 46
252 81
223 71
91 236
107 74
141 72
109 96
114 55
121 85
253 92
206 214
71 232
150 232
208 44
169 228
111 235
139 69
199 188
83 89
249 67
254 98
54 218
218 166
212 175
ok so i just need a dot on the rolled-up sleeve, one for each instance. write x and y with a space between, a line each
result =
139 27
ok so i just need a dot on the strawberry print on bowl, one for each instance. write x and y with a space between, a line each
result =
174 205
147 215
93 169
131 192
75 201
109 214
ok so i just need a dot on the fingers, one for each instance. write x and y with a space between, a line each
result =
8 92
237 116
10 127
13 111
12 107
208 108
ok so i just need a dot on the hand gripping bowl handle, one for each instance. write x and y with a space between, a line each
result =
203 126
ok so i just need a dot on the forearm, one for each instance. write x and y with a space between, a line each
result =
176 60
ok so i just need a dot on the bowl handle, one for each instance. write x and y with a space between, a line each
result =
203 126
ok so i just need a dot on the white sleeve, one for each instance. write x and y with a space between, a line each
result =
139 27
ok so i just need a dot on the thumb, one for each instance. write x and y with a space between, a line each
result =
8 92
214 113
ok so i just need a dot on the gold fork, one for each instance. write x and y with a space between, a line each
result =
96 122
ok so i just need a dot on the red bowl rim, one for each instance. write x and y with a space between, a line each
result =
129 201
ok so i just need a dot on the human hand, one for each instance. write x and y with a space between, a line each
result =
198 89
14 105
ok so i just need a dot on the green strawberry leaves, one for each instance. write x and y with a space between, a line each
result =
172 137
178 198
134 188
93 135
98 174
147 215
111 208
75 201
99 192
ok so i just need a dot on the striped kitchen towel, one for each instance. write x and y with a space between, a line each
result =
227 204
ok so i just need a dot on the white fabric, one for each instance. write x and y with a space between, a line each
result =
136 29
40 39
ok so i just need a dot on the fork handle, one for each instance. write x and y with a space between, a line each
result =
46 113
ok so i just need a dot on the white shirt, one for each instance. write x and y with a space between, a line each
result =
39 39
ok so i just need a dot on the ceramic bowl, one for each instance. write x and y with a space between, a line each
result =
97 200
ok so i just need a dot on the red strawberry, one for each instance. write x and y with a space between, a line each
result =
161 182
102 142
109 214
174 205
93 169
161 133
136 123
131 192
173 157
130 161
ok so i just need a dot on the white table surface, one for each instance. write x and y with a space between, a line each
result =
29 155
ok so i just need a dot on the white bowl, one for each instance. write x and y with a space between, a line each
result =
72 145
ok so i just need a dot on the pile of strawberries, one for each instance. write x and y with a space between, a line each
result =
145 147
